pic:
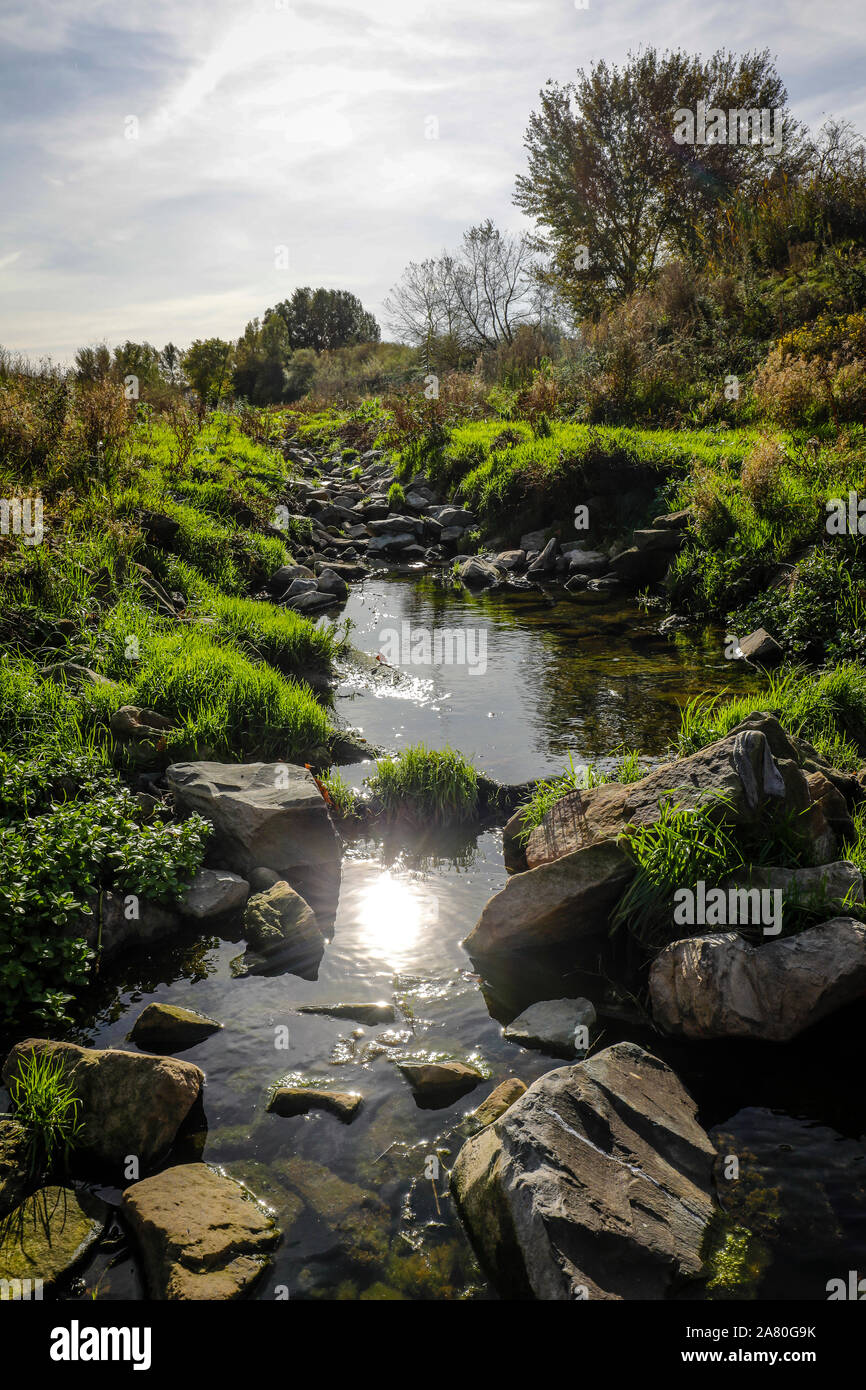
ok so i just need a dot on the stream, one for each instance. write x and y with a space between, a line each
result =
362 1209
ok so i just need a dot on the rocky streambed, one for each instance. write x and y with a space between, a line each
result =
351 1066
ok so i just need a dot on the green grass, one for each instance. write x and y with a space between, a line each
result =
827 708
426 785
396 496
47 1107
548 792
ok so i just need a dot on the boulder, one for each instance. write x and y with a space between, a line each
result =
201 1235
437 1084
587 562
818 886
131 1103
546 562
550 1025
761 649
720 986
511 559
166 1028
676 521
282 933
47 1235
331 583
594 1184
453 517
299 1100
476 573
266 815
121 931
739 771
214 892
285 576
558 901
311 603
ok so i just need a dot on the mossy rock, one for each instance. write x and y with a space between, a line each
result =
49 1233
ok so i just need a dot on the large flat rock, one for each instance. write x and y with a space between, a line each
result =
49 1234
266 815
594 1184
132 1104
719 985
201 1235
559 901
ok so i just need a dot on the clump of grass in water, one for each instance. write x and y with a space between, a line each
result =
341 797
436 785
549 792
47 1108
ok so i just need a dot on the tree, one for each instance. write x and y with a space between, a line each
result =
613 191
476 298
207 365
170 367
324 319
139 360
93 363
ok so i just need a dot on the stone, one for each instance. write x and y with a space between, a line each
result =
476 573
131 1102
533 541
453 517
298 1100
298 587
550 1025
48 1234
559 901
371 1014
266 815
167 1028
739 771
676 521
201 1235
761 649
721 986
120 932
285 576
282 933
587 562
840 883
546 561
312 602
263 879
595 1184
214 892
499 1100
437 1084
331 583
511 559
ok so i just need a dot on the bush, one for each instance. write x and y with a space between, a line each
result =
426 785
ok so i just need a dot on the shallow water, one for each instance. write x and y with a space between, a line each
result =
361 1214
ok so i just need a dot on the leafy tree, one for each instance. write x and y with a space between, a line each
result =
140 360
324 319
93 363
207 365
612 191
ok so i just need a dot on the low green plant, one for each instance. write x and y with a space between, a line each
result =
396 496
46 1106
341 797
426 785
548 792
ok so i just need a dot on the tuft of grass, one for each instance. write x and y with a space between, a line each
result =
553 789
828 709
46 1106
396 496
425 784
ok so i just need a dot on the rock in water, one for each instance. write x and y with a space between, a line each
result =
131 1103
496 1104
594 1184
298 1100
266 815
201 1235
719 986
559 901
15 1179
50 1233
437 1084
371 1014
213 892
166 1028
550 1025
282 933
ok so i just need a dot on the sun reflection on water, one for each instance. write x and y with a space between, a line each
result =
393 914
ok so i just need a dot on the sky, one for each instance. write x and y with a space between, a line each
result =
172 168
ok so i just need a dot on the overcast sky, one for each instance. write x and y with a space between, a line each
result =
264 124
